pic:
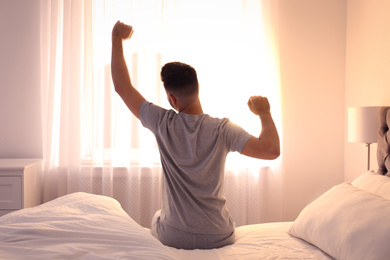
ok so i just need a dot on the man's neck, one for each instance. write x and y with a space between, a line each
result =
194 108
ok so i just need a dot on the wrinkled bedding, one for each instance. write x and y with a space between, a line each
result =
260 241
86 226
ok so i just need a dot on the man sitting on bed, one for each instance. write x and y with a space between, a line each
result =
193 148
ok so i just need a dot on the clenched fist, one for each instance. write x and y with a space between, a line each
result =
122 31
259 105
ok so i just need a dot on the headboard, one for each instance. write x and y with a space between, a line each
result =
383 150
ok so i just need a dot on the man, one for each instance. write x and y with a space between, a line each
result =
193 148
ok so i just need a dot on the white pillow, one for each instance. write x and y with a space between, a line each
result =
347 223
375 183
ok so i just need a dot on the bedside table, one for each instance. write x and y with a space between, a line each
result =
20 184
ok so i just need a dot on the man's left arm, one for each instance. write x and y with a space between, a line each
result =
119 71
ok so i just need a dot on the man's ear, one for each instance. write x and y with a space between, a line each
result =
173 99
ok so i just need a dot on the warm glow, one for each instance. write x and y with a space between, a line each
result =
223 40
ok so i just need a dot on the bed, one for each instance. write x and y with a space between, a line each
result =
349 221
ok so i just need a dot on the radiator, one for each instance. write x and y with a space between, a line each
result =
138 191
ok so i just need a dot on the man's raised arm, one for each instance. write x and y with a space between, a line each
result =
120 73
267 146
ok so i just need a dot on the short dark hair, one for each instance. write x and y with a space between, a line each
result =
180 79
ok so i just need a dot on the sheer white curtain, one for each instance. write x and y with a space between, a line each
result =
92 143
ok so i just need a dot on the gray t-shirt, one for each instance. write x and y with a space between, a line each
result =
193 150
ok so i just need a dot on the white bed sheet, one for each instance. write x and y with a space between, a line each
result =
77 226
260 241
86 226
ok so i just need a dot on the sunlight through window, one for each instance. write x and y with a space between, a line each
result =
223 40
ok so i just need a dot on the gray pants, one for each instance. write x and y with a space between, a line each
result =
177 238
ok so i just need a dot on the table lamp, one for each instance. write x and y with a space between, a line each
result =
363 124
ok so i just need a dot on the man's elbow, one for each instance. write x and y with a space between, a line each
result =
118 89
273 152
270 153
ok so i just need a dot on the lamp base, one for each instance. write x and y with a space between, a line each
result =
368 156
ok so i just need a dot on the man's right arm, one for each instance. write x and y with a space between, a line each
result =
120 74
267 146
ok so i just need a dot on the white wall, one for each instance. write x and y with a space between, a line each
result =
20 130
367 70
312 66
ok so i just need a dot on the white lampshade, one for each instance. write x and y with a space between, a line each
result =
363 124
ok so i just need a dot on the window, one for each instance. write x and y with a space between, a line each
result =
223 40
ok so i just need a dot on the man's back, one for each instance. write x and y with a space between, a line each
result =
193 151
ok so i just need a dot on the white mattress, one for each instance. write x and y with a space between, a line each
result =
85 226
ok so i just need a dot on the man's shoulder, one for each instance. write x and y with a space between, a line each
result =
152 115
220 124
222 121
216 119
149 107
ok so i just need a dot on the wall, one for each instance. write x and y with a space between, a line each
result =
367 70
312 67
20 131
